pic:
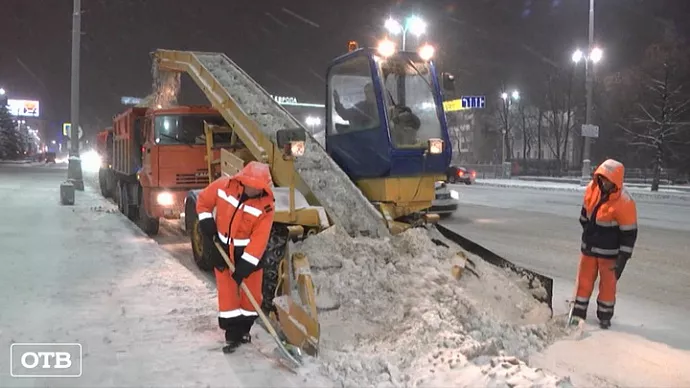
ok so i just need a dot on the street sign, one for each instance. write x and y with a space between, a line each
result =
473 102
464 103
67 130
452 105
589 130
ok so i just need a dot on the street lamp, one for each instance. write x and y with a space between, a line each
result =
413 24
595 55
2 92
507 101
312 122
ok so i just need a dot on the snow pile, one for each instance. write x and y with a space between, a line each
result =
403 320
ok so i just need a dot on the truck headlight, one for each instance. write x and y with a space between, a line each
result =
454 194
165 199
296 148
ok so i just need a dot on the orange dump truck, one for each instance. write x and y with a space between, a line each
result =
158 155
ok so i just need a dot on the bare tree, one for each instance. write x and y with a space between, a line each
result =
659 120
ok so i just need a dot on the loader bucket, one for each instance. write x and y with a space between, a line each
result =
536 280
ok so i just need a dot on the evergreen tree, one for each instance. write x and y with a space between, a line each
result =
11 145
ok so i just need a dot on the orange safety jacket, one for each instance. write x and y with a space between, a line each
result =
609 221
244 226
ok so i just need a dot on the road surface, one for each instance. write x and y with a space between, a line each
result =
85 274
540 230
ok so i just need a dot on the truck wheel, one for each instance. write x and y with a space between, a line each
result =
148 224
120 197
274 254
103 182
200 251
128 209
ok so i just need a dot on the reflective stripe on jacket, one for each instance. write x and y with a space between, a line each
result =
244 223
609 222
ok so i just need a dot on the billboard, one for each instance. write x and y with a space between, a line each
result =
23 108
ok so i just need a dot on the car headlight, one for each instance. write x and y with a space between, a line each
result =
165 199
454 194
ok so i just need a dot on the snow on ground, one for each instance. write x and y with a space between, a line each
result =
639 192
610 358
85 274
403 320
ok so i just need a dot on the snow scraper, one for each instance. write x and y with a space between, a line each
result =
293 357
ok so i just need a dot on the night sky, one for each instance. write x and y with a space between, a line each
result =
287 45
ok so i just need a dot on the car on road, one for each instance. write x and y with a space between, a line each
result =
456 174
446 201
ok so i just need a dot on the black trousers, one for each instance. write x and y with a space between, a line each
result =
237 327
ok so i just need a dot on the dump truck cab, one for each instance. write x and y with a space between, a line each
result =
385 127
173 155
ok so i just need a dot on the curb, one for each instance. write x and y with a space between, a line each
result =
635 194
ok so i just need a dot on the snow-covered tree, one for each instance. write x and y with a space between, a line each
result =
660 99
11 144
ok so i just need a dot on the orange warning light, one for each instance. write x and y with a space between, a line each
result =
352 45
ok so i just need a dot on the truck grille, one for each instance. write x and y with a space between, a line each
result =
198 178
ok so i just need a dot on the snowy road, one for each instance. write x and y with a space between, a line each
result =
86 274
539 230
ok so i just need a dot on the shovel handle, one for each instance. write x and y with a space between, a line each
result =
255 305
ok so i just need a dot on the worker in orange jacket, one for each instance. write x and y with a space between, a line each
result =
244 216
609 231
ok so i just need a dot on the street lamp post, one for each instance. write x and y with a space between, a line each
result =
507 101
74 173
413 24
594 56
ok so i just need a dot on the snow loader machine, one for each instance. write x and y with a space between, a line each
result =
375 177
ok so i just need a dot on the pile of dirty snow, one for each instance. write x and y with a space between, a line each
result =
394 316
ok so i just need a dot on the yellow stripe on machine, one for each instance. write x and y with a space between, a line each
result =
453 105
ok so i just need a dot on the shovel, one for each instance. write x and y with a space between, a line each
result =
294 359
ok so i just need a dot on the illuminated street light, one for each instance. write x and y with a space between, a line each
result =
413 24
2 92
596 55
514 96
577 56
312 121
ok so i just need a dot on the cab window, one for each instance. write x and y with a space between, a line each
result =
352 98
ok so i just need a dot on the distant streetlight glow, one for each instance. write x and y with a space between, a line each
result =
2 92
413 24
393 26
596 55
504 96
312 121
577 56
515 95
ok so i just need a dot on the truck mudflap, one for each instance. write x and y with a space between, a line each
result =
535 280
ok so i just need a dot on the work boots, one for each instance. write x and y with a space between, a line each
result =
605 323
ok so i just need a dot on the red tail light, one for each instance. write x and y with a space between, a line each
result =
460 173
474 174
143 149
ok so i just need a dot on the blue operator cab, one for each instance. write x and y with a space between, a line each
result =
385 126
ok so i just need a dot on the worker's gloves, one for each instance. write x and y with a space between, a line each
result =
215 257
621 261
208 227
242 267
